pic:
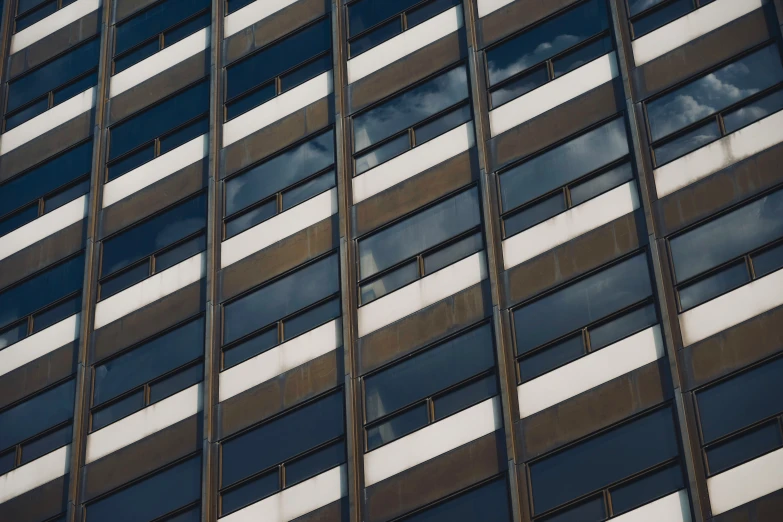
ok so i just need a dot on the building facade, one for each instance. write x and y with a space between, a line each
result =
275 189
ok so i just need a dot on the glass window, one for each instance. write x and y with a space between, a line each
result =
649 15
488 503
603 460
159 26
164 492
52 83
571 39
52 181
689 116
278 67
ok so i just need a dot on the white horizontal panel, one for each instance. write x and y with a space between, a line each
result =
144 423
689 27
36 473
43 227
719 154
554 93
746 482
277 108
155 170
422 293
252 13
39 344
488 6
671 508
47 121
432 441
404 44
52 23
279 227
305 497
299 350
159 62
570 224
590 371
732 308
150 290
413 162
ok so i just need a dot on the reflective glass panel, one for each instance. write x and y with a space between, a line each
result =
37 414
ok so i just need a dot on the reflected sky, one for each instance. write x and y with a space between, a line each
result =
637 6
714 92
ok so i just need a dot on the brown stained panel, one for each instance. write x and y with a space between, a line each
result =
54 44
142 457
159 86
46 145
38 504
45 252
272 27
720 190
515 17
279 258
414 193
732 349
434 479
154 198
574 258
280 393
38 374
147 321
557 124
424 327
595 409
337 511
768 508
277 136
406 71
700 54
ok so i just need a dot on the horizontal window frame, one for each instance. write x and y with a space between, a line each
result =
43 5
695 6
40 202
776 420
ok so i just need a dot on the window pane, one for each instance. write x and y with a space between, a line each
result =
18 220
280 172
661 17
410 107
191 26
46 444
452 253
26 114
637 6
753 111
253 99
768 261
312 318
534 214
306 72
184 135
117 410
152 497
519 86
564 164
582 303
442 124
149 360
488 503
281 298
583 55
66 196
153 234
428 10
700 98
131 161
77 87
138 54
294 433
603 459
714 285
366 13
23 22
419 232
686 143
308 189
397 426
155 20
35 415
251 218
623 326
428 372
744 447
251 491
741 400
7 461
13 334
389 282
647 488
250 348
314 463
385 152
180 253
546 40
551 357
125 279
176 383
465 396
592 510
731 235
601 183
57 313
376 36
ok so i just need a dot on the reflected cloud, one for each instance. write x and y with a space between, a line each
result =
543 51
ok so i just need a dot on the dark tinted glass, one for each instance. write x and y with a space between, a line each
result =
310 70
744 447
177 382
686 143
410 107
250 348
519 86
18 219
753 111
7 460
133 57
281 298
153 358
28 113
67 195
293 433
601 183
385 152
35 415
47 443
53 74
719 89
535 214
23 22
40 290
246 102
317 462
546 40
278 57
603 459
551 357
250 491
125 279
731 235
26 5
179 253
714 285
311 318
397 426
153 234
151 497
13 334
428 372
661 17
583 55
117 410
442 124
365 14
622 326
57 313
464 396
592 510
280 172
563 164
768 261
646 488
159 119
251 218
581 303
45 178
488 503
428 10
131 161
637 6
419 232
155 20
452 253
183 135
740 401
376 36
389 282
308 189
